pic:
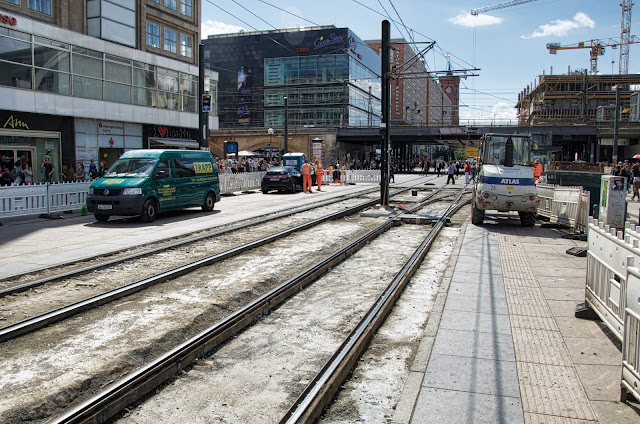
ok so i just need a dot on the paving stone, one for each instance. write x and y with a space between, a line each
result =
480 322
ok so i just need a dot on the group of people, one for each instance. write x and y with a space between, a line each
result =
632 173
307 170
20 174
68 174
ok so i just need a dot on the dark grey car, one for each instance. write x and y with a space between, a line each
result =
282 178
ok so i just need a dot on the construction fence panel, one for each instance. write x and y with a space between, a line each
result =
583 212
631 339
244 181
68 196
545 194
606 283
566 205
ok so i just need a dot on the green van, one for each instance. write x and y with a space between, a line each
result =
146 182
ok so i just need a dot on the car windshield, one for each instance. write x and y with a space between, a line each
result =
137 167
507 150
280 170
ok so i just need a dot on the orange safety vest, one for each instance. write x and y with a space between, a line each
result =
306 169
319 170
537 172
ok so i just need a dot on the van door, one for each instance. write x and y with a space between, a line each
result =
163 183
185 174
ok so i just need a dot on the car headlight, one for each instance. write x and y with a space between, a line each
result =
130 191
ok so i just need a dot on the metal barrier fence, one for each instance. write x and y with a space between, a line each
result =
613 292
568 206
42 198
51 198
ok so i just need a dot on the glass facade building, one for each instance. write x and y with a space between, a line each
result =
329 76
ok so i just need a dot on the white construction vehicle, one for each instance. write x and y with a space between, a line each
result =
504 180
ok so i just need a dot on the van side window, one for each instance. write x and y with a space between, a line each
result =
163 170
184 168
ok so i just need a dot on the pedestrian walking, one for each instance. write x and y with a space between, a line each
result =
467 172
306 176
451 171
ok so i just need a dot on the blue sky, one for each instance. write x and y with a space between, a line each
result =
508 45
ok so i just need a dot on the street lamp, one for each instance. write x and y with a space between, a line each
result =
270 132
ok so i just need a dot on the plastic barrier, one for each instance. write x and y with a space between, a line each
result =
243 181
566 205
631 338
42 198
545 194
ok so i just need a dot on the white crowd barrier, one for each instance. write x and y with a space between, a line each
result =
568 206
43 198
613 292
58 197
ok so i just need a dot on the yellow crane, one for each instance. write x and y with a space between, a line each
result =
596 48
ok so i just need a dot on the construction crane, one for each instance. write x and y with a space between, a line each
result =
476 12
625 37
596 46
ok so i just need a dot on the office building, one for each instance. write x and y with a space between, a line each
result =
85 81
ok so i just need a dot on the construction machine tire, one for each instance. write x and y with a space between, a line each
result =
477 215
527 219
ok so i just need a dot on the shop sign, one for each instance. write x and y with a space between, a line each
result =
8 20
331 40
108 128
303 50
160 131
14 123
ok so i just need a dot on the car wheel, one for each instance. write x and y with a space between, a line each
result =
102 218
209 202
149 211
265 191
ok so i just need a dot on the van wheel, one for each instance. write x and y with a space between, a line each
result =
102 218
209 202
477 215
149 211
265 191
527 219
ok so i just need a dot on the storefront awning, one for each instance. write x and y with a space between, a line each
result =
174 142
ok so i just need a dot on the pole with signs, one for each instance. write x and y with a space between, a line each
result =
286 124
203 117
385 128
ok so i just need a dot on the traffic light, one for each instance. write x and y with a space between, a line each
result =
206 102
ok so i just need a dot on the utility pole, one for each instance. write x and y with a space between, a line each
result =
385 128
616 121
286 124
203 139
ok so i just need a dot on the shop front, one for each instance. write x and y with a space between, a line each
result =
26 139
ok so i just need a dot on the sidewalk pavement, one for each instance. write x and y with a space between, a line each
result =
503 344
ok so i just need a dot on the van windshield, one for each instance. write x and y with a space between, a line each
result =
134 168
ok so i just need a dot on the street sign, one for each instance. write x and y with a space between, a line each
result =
206 102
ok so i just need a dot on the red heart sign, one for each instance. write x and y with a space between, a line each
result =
162 131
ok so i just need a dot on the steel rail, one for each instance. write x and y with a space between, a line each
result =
322 389
65 312
118 395
104 264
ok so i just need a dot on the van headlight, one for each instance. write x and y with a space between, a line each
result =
131 191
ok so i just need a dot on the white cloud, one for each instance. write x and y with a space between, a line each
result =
211 27
501 113
469 20
560 27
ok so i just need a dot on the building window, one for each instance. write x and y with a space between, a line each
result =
156 1
14 2
42 6
171 4
186 7
153 35
186 45
170 40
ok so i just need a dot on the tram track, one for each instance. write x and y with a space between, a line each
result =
91 264
53 316
122 393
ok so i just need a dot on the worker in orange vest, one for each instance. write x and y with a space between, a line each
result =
319 172
537 171
306 176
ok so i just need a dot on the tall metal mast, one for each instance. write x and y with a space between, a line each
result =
625 36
